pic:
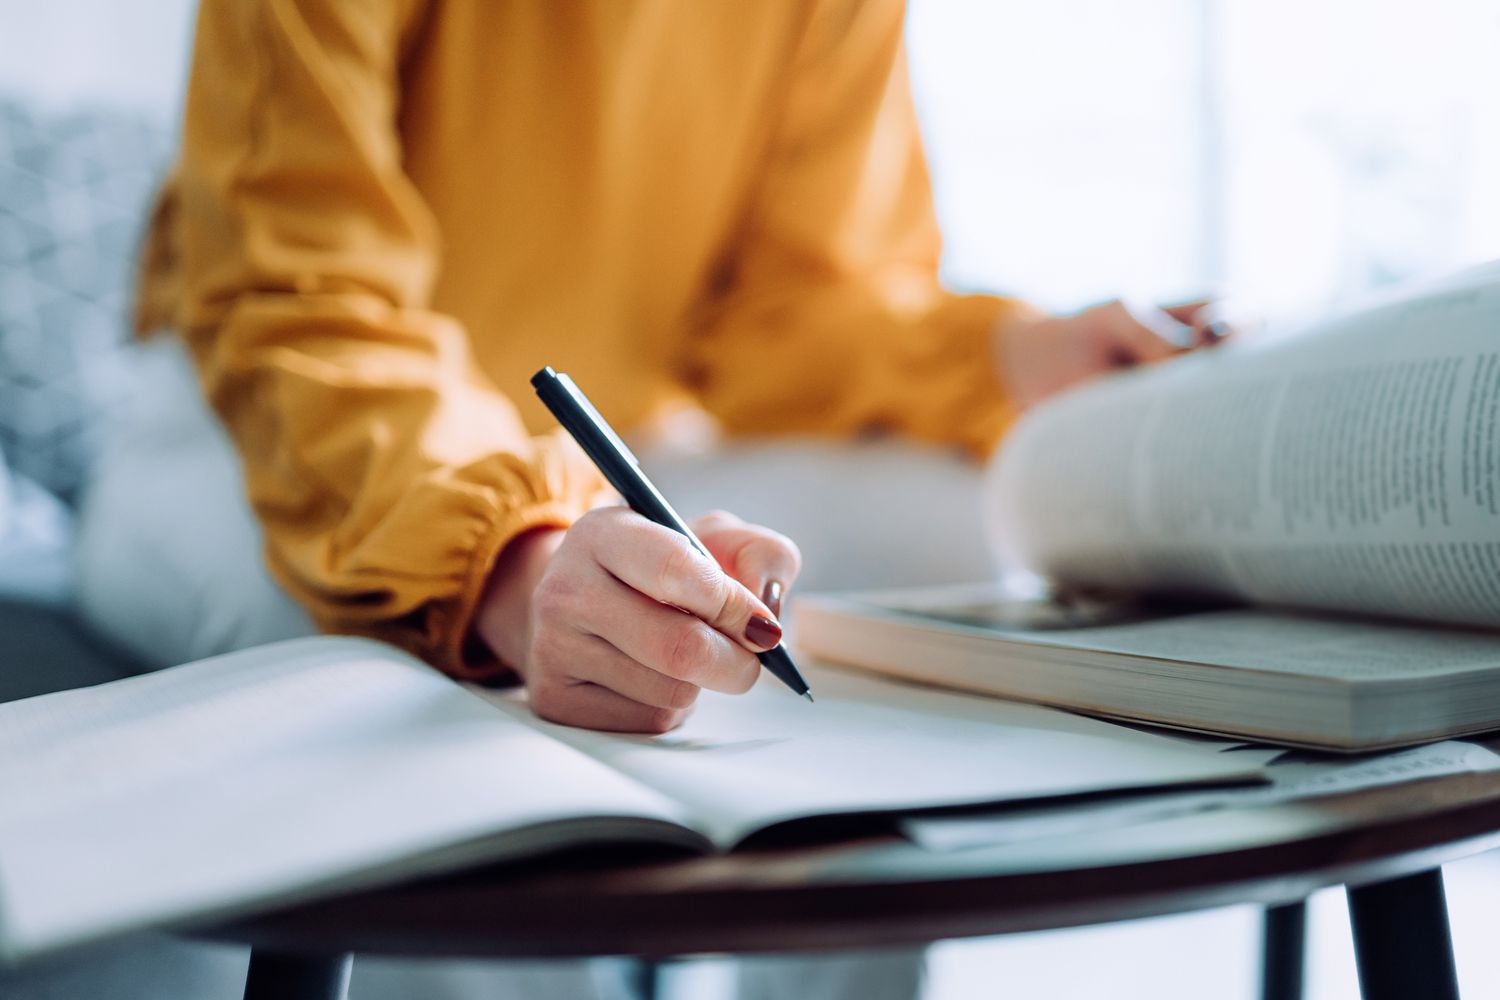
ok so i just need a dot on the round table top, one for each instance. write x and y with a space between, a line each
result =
879 889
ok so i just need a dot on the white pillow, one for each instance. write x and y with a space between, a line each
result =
170 559
36 533
74 191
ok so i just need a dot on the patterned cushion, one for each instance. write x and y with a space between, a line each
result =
74 190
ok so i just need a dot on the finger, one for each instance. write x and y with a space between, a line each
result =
589 706
1212 333
664 565
676 645
1189 313
597 661
765 561
1142 334
1204 316
588 601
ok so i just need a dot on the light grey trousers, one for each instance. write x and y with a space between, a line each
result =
170 566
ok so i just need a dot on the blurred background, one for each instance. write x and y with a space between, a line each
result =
1289 154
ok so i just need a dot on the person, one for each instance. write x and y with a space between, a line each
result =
387 215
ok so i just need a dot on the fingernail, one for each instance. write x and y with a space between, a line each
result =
763 632
1216 331
771 597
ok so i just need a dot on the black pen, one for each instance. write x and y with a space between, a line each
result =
605 449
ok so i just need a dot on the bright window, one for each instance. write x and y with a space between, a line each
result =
1287 152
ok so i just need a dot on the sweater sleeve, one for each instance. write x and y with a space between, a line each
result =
386 471
827 315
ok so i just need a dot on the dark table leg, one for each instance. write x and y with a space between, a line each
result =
278 976
648 976
1401 940
1282 948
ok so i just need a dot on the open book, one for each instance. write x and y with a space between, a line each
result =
1352 468
301 768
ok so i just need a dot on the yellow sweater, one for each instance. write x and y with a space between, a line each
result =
387 215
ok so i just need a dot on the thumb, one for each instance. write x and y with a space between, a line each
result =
693 583
765 561
665 566
745 618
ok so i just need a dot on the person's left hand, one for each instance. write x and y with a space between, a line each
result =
1042 356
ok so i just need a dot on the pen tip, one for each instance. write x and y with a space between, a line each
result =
808 696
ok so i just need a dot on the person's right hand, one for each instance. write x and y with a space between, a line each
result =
617 623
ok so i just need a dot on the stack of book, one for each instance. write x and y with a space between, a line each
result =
1294 539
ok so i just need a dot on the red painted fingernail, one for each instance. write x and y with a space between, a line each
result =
763 632
771 597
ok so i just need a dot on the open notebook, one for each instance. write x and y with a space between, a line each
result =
310 766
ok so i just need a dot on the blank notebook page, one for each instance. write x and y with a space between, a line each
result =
206 787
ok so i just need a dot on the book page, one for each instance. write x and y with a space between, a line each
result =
260 775
1301 646
1354 466
867 744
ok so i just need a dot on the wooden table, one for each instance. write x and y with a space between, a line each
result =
877 889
